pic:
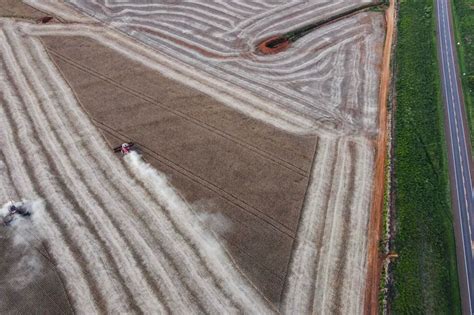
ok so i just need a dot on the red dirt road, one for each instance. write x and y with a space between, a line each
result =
374 259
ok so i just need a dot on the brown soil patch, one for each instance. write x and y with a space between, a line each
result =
374 259
29 280
17 9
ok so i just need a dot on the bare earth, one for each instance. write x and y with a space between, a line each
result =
269 160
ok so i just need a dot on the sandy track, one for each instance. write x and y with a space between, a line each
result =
110 258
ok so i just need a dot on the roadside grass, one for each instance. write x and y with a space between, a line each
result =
463 13
425 274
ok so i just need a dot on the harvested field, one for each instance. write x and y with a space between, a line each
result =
303 88
260 193
117 250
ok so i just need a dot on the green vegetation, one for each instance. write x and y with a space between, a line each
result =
425 274
384 246
463 12
304 30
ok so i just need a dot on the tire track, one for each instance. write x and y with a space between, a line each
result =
234 200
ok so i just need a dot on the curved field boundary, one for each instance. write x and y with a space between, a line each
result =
279 87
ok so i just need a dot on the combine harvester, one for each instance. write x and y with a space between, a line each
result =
125 148
14 210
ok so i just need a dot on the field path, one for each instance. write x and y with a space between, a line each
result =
374 261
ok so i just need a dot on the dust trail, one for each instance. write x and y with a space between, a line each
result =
206 243
185 257
44 125
42 227
14 161
44 173
21 233
34 207
93 220
217 222
74 165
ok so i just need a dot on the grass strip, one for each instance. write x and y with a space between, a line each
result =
425 274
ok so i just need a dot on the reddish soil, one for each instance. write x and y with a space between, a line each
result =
45 19
264 49
374 259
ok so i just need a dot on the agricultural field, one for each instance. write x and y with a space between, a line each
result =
425 274
252 186
463 12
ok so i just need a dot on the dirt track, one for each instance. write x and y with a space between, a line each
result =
269 185
374 259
